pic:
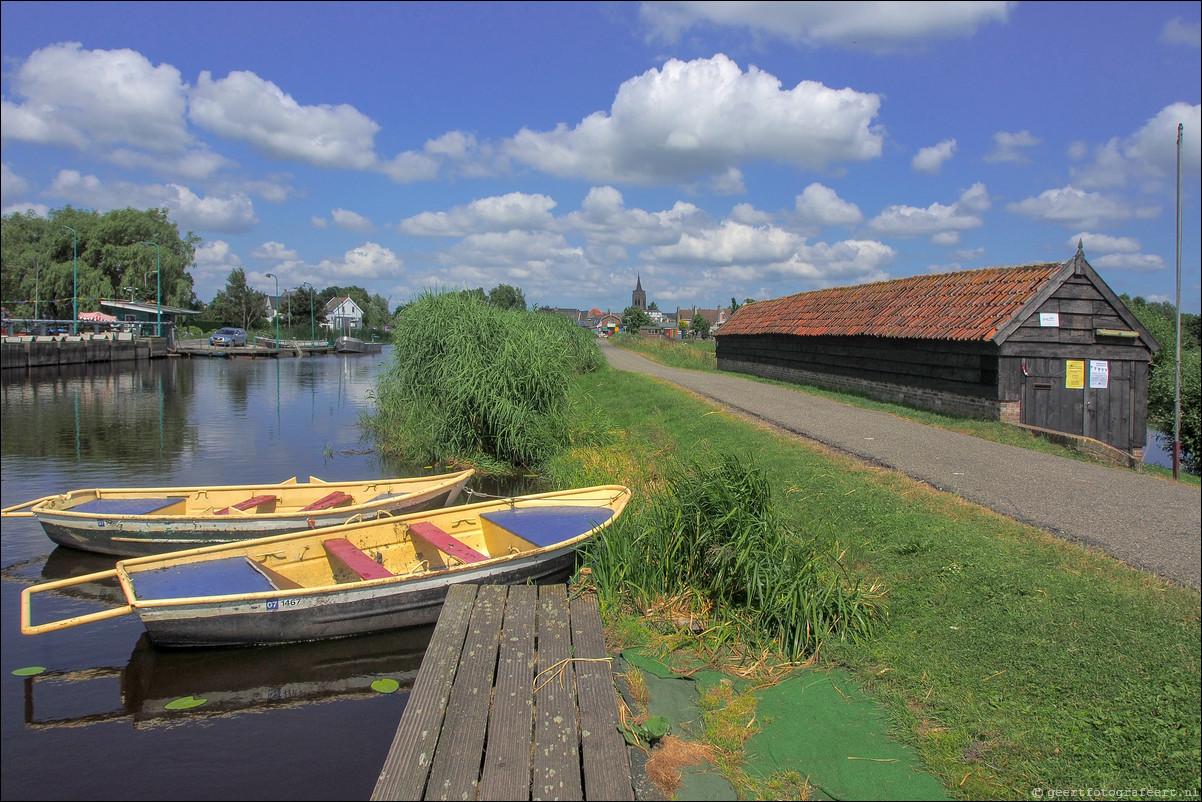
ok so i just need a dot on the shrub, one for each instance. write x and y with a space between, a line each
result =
477 383
712 532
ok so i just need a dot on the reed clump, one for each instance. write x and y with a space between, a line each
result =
476 383
711 533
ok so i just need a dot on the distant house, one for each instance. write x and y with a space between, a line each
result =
1045 345
715 317
343 314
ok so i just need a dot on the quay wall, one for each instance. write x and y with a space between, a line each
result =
28 351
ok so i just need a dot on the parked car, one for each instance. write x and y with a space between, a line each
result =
229 336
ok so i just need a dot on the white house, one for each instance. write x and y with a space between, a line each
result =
343 314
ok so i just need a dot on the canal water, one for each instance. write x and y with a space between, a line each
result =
104 719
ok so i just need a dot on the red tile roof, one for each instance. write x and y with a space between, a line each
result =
967 305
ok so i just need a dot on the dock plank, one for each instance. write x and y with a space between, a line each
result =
456 768
556 732
514 700
408 763
605 759
510 737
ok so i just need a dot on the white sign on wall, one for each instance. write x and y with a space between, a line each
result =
1099 374
1049 319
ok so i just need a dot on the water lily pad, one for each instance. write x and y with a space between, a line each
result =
385 685
185 702
29 671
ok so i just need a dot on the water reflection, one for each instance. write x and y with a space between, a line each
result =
230 682
183 422
83 413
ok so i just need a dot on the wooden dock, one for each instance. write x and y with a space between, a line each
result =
514 700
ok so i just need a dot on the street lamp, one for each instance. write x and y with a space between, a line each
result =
36 288
277 308
75 278
131 294
312 328
158 269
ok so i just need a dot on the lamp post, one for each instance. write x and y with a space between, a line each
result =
75 278
277 308
312 327
131 293
36 288
158 269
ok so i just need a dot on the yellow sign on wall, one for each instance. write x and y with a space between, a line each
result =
1074 374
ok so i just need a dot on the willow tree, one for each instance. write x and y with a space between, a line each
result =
72 259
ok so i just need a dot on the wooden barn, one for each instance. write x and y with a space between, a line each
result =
1044 345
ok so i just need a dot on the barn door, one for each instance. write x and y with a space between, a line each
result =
1093 398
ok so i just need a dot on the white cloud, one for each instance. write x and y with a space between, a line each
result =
1149 153
276 252
1179 32
350 221
606 222
194 164
822 206
11 185
1007 147
243 106
536 261
83 98
1070 206
863 25
1136 262
369 260
515 210
701 118
230 213
1104 243
944 223
931 160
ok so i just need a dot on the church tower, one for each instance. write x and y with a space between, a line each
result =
638 298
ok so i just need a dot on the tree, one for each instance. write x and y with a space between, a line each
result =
504 296
239 305
701 326
634 319
1160 319
53 271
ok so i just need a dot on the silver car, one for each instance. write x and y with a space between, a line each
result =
229 336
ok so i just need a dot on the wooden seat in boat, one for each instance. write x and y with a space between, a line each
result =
334 499
348 557
257 501
430 535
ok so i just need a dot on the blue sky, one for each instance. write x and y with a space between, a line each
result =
717 150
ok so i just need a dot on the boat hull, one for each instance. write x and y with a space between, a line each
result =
145 536
341 611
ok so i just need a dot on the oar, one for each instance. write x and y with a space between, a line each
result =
13 512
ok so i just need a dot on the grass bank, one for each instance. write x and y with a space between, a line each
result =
1010 660
700 355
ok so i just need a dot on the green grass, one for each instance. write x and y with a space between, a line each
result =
1009 660
700 355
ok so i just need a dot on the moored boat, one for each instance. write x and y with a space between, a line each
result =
136 522
353 345
389 573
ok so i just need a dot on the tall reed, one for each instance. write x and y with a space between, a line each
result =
712 532
472 382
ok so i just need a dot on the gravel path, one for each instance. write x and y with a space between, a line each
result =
1148 523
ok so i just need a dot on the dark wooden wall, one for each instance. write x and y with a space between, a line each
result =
963 368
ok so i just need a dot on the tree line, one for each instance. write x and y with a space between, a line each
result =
1160 319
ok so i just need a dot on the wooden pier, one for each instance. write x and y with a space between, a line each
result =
514 700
